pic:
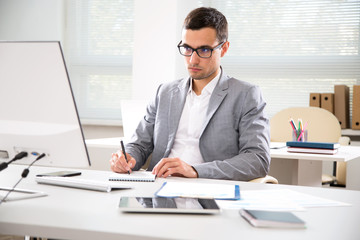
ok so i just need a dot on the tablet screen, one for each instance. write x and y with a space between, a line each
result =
168 205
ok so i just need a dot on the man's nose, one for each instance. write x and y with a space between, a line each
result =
194 58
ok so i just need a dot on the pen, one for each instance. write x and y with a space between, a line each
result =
302 132
299 128
123 150
292 123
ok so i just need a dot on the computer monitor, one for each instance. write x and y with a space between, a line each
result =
38 113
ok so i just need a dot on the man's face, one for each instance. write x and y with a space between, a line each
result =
203 68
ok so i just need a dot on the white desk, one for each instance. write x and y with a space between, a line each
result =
306 169
68 213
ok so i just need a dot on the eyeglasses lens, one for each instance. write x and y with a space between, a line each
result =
202 52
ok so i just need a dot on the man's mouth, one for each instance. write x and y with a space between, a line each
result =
194 69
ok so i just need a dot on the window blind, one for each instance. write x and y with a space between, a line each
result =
291 48
98 51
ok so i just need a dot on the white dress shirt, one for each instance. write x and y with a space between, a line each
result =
186 144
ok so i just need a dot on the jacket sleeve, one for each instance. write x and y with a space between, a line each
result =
141 144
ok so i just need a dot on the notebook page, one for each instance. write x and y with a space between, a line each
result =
136 176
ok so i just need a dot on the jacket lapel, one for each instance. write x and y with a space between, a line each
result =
216 99
176 105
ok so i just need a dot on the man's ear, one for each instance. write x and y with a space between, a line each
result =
225 48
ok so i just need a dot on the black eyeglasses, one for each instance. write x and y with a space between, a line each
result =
203 52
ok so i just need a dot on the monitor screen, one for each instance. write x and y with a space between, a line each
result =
37 107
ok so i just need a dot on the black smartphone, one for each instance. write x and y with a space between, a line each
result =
60 174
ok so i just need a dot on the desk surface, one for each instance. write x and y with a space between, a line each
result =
306 168
68 213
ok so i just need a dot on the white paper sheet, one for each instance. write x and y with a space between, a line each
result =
278 200
200 190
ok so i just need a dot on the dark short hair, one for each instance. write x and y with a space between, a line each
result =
207 17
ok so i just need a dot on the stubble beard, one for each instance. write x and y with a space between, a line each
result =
200 76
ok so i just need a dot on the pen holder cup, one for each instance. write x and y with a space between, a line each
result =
303 136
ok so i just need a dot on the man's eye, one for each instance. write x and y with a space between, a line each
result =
204 50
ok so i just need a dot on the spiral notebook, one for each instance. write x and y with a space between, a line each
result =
136 176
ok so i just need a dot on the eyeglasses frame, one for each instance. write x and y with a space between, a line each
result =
196 50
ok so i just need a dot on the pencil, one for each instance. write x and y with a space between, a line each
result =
123 150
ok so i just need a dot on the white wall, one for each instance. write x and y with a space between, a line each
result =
156 59
184 7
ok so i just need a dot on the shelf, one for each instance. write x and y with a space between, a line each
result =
350 132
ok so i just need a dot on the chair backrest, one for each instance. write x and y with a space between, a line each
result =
322 125
132 111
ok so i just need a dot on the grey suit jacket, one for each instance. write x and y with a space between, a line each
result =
234 141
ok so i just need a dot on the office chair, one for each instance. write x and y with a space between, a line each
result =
266 179
133 110
322 126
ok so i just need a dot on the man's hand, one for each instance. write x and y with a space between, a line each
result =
174 167
118 163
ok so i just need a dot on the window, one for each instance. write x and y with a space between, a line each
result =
98 51
291 48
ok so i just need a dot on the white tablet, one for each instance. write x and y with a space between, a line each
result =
168 205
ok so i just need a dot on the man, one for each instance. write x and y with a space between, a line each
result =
208 125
